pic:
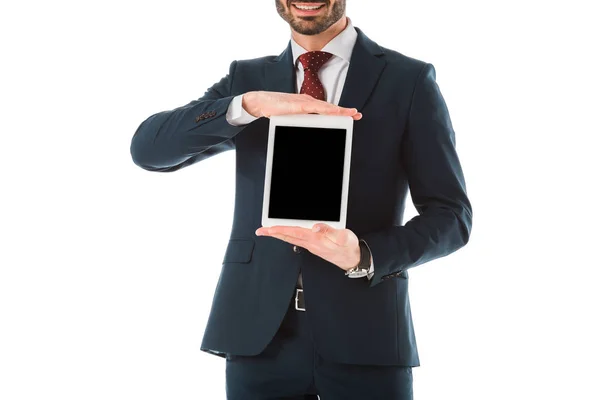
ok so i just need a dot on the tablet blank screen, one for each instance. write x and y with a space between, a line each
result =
307 173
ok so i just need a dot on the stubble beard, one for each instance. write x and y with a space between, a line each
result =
311 25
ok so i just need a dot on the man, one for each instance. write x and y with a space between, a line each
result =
299 312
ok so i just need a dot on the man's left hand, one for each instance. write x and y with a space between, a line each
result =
338 246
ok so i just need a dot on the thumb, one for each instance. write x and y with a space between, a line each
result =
329 231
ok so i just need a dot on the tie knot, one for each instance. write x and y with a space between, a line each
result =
314 60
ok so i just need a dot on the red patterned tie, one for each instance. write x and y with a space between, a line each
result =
312 61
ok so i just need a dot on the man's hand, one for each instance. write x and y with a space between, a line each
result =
267 104
338 246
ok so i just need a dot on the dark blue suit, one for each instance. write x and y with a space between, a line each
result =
404 140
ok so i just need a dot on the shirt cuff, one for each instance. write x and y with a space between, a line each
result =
236 114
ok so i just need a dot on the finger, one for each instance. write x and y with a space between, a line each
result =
295 241
292 231
335 110
321 247
315 239
323 107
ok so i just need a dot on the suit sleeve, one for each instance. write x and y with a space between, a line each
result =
170 140
437 188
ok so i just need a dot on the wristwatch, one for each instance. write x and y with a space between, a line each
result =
364 265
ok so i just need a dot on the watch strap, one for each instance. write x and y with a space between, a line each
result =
364 264
365 255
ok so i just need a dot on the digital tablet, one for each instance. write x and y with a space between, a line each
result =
307 170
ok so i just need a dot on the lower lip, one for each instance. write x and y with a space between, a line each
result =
308 12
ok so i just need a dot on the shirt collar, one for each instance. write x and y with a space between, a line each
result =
340 46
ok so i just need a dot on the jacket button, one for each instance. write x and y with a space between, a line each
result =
297 249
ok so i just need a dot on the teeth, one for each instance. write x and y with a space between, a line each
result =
307 7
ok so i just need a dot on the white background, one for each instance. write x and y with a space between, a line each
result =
108 271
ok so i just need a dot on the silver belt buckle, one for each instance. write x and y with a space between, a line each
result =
297 293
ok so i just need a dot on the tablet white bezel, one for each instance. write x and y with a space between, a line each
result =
311 121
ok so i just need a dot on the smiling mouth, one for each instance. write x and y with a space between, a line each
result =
308 7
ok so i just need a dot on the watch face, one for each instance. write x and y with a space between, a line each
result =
358 274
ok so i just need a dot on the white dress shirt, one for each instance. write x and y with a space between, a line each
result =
332 75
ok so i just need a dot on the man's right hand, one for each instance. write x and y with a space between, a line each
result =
267 104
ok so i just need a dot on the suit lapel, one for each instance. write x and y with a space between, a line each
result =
279 75
365 67
363 72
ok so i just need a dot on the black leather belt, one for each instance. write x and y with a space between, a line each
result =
299 300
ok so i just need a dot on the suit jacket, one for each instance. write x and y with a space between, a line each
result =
404 140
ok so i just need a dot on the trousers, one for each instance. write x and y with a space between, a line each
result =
290 368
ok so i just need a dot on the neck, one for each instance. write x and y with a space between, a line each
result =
317 42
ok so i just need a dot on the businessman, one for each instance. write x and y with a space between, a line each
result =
299 313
